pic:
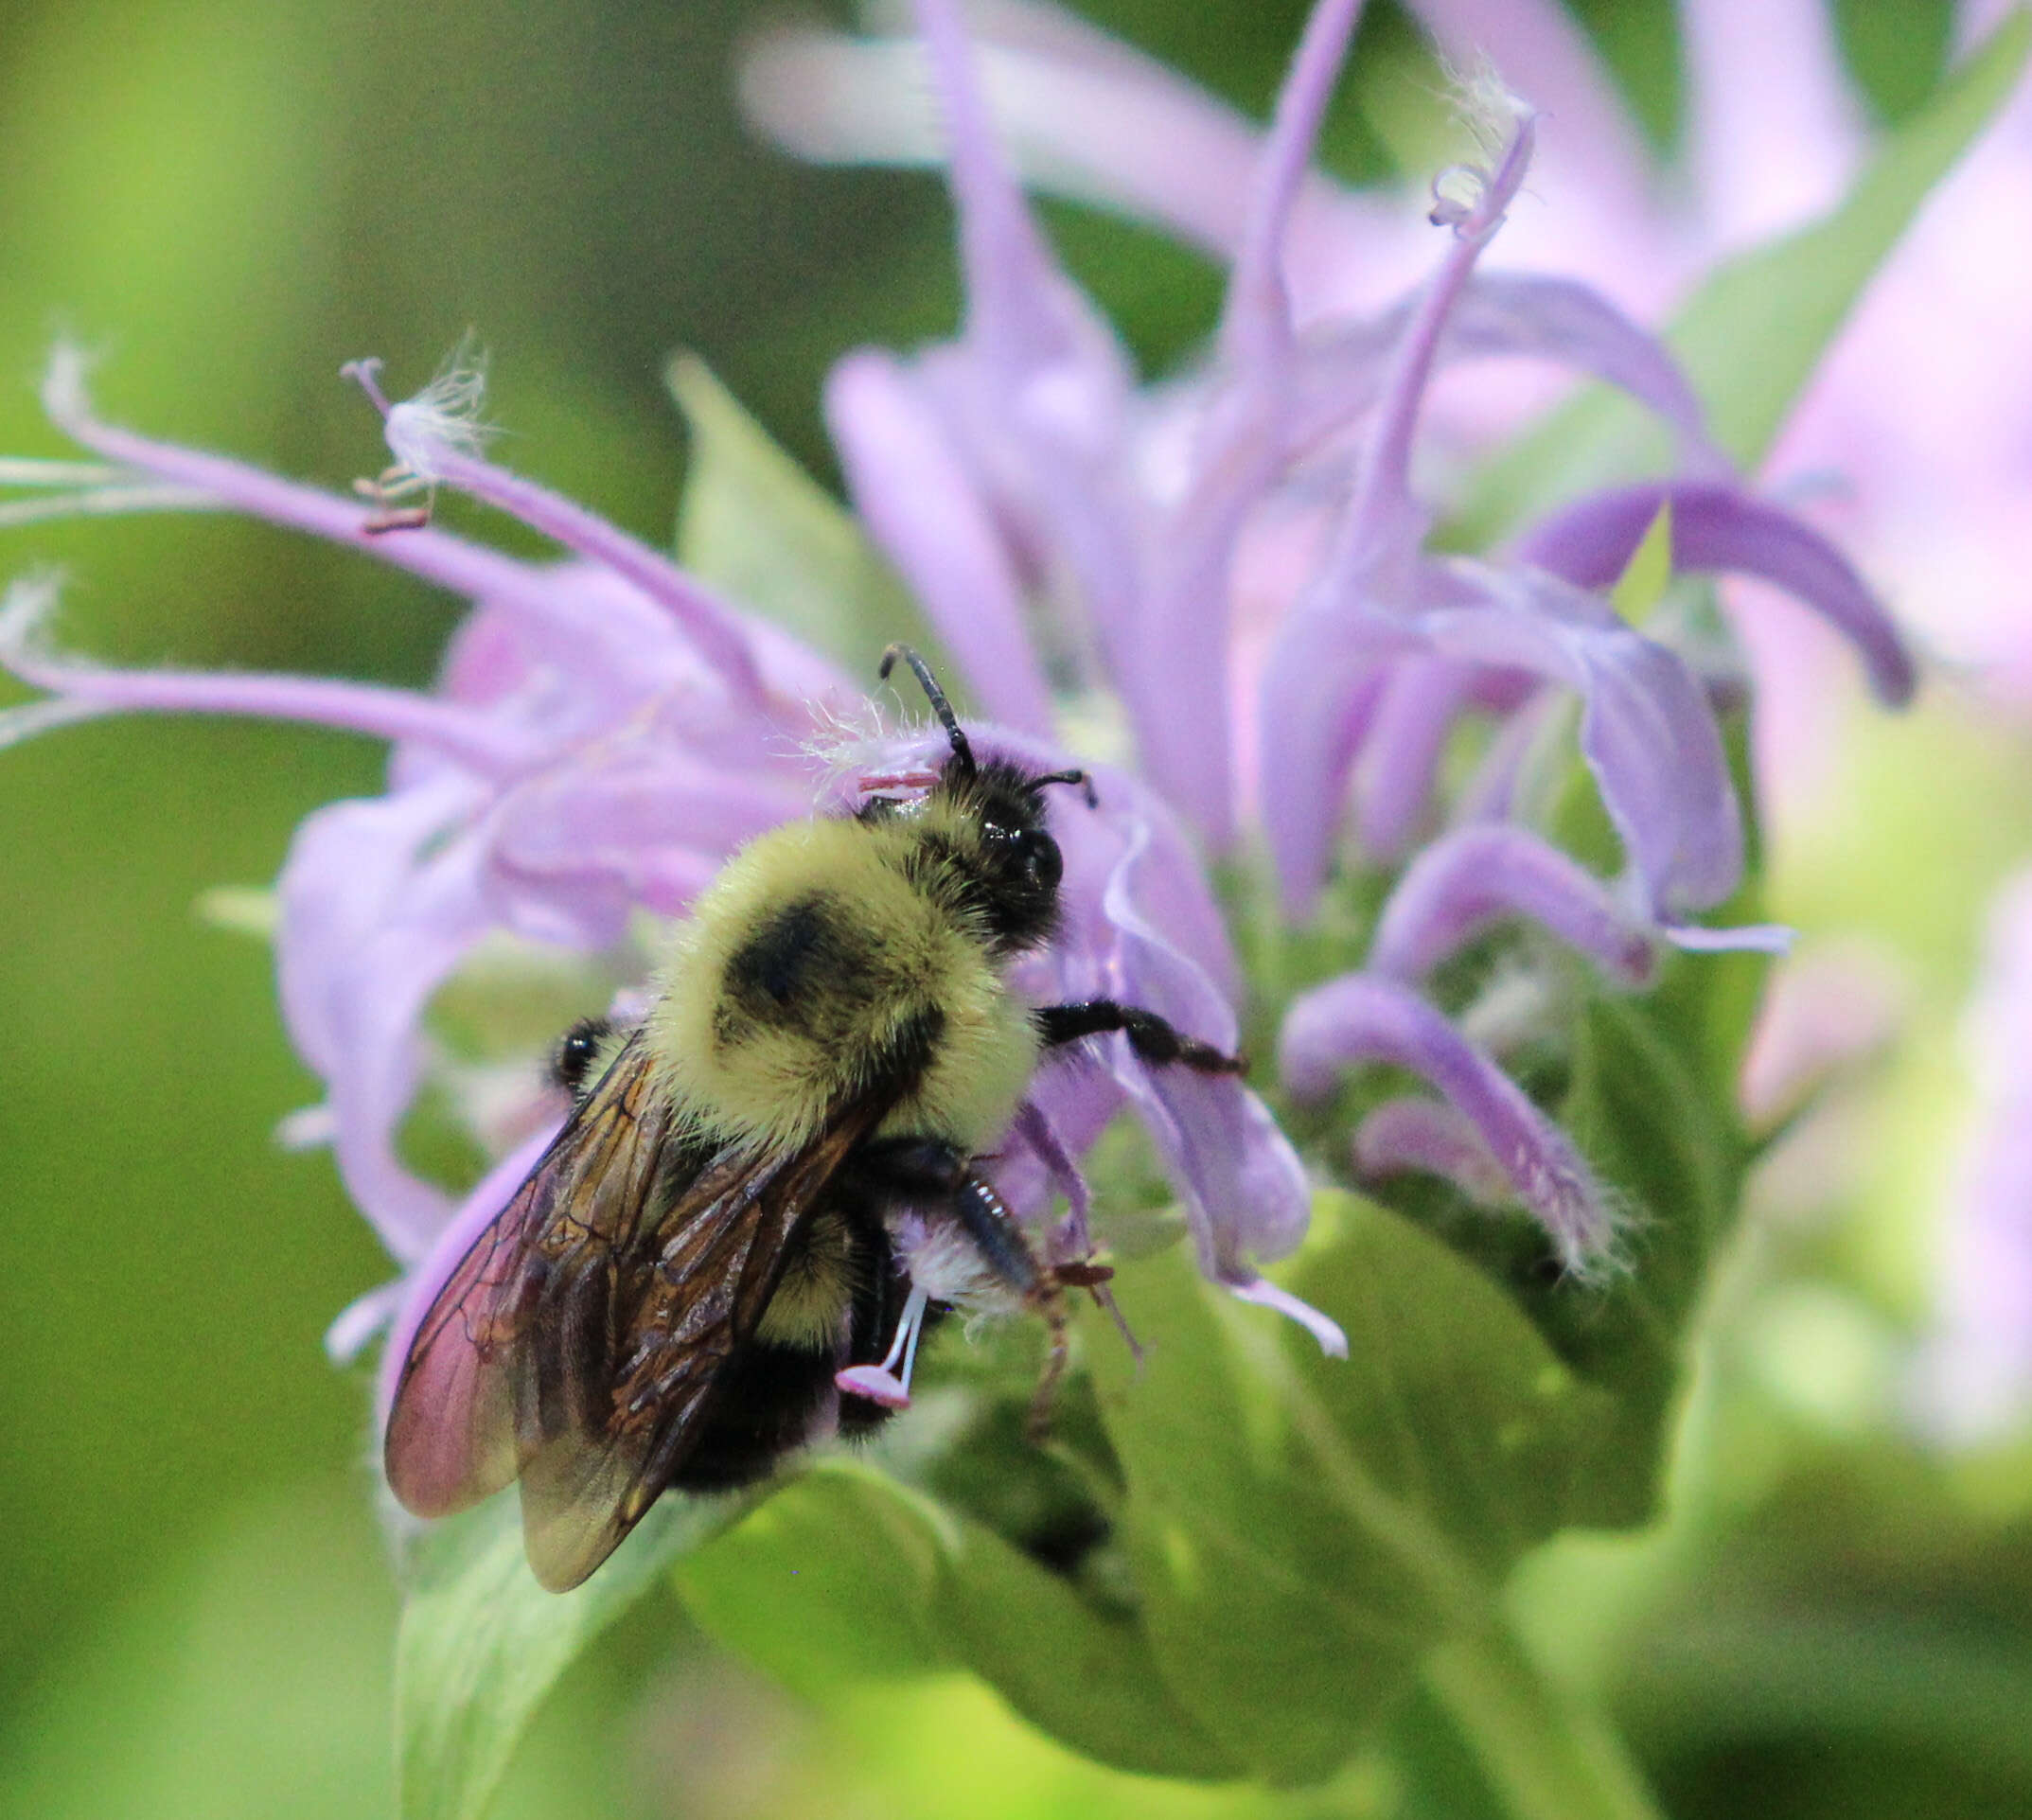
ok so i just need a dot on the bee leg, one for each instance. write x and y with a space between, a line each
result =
1149 1035
1050 1300
932 1173
987 1221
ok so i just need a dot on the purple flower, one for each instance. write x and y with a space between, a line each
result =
1149 536
1922 401
603 734
1238 558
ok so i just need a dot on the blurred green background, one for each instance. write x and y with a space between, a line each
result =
228 198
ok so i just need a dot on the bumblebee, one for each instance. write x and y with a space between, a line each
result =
767 1187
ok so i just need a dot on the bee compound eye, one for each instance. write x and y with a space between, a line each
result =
1043 864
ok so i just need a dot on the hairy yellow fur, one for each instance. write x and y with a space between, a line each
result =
813 1298
775 1082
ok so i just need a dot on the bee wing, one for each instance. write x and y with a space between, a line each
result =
607 1445
579 1343
453 1429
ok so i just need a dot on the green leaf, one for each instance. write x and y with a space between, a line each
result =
1753 333
847 1575
1089 1680
1451 1397
1305 1529
481 1644
1639 41
755 525
1669 1147
832 1580
1895 54
1542 1756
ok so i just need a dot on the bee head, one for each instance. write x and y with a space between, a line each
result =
988 820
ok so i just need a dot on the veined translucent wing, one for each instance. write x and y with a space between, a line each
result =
580 1343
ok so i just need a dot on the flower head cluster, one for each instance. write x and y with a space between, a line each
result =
1238 558
603 733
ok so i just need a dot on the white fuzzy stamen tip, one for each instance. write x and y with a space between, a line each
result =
1489 109
443 419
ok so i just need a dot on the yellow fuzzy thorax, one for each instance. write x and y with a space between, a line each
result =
880 957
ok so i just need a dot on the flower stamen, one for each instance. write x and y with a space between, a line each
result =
392 483
882 1383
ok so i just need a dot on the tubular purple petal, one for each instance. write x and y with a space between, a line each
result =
1010 275
358 707
1467 881
1179 687
1516 315
1324 1328
1036 396
912 486
1321 693
707 621
1318 688
1529 314
1429 1138
1400 760
1083 115
1721 528
357 1324
1648 732
379 908
1178 682
1243 1187
1374 533
33 718
1359 1018
1256 319
463 568
1489 793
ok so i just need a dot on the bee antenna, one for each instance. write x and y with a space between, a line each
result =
962 754
1084 778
